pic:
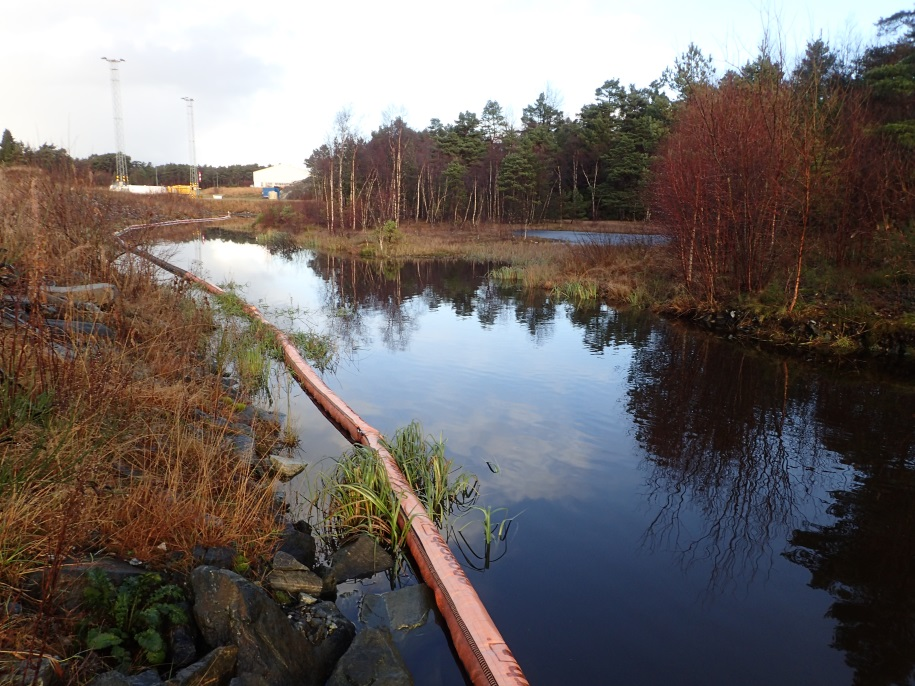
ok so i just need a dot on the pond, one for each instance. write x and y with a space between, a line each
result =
608 238
682 510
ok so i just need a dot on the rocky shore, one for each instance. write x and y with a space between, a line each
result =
227 620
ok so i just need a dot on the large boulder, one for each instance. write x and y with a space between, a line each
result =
298 542
372 660
359 558
232 611
215 669
399 611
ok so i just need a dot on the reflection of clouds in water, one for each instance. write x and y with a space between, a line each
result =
533 465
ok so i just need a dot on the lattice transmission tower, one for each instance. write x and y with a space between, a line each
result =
192 148
120 177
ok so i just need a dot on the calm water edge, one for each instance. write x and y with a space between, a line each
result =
682 510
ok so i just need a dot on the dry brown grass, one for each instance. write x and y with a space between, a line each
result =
101 450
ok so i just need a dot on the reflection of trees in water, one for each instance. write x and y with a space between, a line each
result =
724 440
747 449
393 289
605 328
866 558
354 287
535 312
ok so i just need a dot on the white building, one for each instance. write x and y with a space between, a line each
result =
279 175
144 190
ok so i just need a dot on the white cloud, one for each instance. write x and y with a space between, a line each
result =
267 80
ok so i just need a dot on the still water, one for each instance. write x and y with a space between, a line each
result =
592 237
684 511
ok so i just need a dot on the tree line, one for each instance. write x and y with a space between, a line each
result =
482 169
749 171
101 169
823 142
766 166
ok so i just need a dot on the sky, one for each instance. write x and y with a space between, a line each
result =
268 79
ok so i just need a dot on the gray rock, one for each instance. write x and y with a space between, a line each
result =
359 558
243 446
33 672
325 626
232 611
298 542
398 611
222 557
285 468
408 608
373 612
372 660
98 293
73 577
80 328
149 677
251 414
294 581
215 669
182 646
248 680
112 678
285 561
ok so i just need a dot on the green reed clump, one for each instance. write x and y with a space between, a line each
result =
437 484
357 497
576 291
507 274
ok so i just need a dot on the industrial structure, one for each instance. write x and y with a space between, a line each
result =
120 177
193 174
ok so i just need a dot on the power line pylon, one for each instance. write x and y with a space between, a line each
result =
120 178
192 148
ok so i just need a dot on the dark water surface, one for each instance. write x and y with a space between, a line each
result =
609 238
685 511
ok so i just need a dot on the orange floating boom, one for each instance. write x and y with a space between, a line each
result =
479 645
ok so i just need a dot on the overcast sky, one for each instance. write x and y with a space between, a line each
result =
267 79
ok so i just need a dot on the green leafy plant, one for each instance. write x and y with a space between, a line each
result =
131 620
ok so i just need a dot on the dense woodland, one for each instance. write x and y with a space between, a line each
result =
750 171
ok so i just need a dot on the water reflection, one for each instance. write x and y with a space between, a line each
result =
593 237
395 289
725 440
642 447
865 559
